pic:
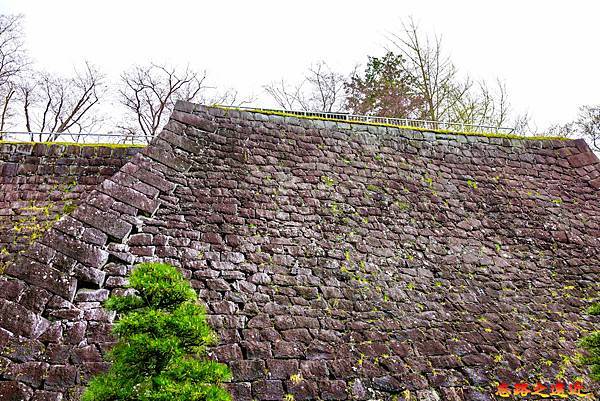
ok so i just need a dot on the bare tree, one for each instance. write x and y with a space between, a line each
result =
7 97
586 125
483 105
447 95
13 58
415 79
149 93
523 125
13 62
436 78
56 105
285 95
320 90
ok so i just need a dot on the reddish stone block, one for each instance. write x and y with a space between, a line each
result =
583 159
282 368
195 121
257 349
42 395
240 391
60 377
155 179
130 197
89 275
181 141
244 370
212 238
432 347
284 349
9 169
84 253
333 390
168 158
142 250
11 289
268 390
20 321
86 354
228 352
140 239
89 295
35 299
31 373
14 391
91 369
108 223
302 389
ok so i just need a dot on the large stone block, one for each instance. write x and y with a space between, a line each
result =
108 223
168 158
14 391
244 370
130 196
155 179
11 289
583 159
78 250
21 321
43 276
183 142
30 373
61 377
268 390
195 121
42 395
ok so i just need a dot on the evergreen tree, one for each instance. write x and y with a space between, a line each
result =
591 343
162 343
386 90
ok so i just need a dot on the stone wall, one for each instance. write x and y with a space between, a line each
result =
41 182
337 261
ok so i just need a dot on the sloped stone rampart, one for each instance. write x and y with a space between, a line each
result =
337 261
41 182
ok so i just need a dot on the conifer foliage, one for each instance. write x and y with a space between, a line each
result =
591 343
162 344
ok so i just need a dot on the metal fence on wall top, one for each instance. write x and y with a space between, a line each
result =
81 138
116 138
404 122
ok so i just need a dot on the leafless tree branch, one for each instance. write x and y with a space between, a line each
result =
13 62
148 93
13 58
321 89
57 105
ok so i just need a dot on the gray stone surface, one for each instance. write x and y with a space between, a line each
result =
335 263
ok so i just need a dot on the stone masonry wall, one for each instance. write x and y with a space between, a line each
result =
41 182
337 261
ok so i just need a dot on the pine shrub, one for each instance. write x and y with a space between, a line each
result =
161 352
591 343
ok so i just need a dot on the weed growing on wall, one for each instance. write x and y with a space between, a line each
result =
162 344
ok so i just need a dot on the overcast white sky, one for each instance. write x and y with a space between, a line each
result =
546 51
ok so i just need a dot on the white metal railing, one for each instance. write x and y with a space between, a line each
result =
405 122
91 138
81 137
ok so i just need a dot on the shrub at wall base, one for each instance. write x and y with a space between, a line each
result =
162 343
591 343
